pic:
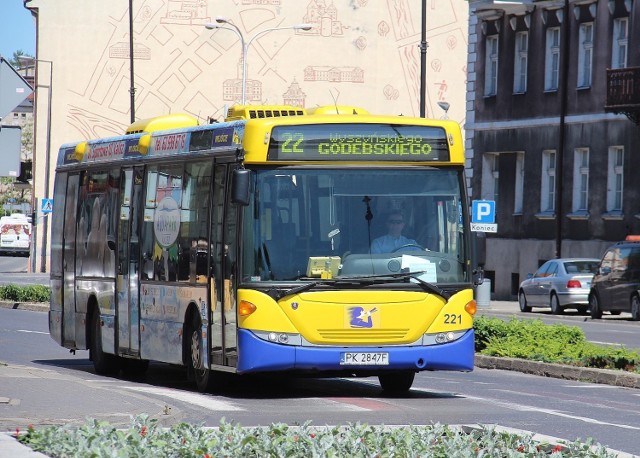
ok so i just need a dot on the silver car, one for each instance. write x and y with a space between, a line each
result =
558 284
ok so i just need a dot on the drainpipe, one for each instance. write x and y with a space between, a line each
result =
564 77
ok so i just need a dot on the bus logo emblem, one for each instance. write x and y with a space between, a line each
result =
361 318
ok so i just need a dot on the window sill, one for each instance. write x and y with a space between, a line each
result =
614 216
580 215
545 215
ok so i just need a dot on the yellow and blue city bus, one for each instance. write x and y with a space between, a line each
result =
249 246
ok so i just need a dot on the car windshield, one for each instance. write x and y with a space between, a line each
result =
581 267
327 223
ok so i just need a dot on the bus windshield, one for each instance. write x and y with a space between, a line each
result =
324 222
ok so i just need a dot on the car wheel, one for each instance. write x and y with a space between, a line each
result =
635 308
522 300
396 382
556 308
594 305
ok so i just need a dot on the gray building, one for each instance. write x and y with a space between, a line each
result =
552 130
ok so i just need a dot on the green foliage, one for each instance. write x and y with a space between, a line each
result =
558 343
30 293
145 437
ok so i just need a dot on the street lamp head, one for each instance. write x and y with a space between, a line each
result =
211 26
305 27
444 106
221 20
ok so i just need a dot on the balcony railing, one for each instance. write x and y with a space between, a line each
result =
623 92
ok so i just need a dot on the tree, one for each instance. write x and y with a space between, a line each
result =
15 60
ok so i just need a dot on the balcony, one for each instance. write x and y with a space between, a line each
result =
623 92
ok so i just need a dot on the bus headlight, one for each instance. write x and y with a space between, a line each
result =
282 338
442 337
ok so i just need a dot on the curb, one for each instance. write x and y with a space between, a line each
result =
562 371
32 306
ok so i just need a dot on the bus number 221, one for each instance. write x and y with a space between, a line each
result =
291 143
450 318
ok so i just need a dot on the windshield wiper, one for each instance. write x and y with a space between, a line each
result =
363 281
386 278
278 294
429 286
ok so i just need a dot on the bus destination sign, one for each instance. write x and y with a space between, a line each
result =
358 142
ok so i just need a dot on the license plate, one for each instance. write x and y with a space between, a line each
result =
364 359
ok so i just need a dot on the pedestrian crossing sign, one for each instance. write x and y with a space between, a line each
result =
47 206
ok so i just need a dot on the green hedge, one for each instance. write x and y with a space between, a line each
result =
557 343
31 293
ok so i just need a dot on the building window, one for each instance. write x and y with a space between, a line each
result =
519 191
615 179
490 176
548 191
581 180
585 55
620 42
552 59
520 63
491 66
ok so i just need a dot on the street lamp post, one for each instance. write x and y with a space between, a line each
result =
47 163
222 23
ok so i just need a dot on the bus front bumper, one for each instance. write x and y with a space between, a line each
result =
257 355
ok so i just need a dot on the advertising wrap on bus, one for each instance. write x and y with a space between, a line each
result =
15 235
281 240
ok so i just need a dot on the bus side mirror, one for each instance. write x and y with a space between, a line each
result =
479 256
240 184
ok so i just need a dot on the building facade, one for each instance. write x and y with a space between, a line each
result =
542 140
357 52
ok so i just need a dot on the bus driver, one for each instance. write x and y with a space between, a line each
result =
394 238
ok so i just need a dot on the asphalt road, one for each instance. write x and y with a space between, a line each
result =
44 384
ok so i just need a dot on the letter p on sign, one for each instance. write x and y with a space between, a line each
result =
483 211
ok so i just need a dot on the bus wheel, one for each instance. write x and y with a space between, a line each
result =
104 363
396 382
204 377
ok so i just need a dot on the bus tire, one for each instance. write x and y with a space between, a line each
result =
397 382
204 377
103 363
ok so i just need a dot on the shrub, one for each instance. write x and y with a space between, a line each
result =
145 437
558 343
30 293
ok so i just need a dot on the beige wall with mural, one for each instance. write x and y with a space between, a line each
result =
359 52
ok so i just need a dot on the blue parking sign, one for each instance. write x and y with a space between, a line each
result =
483 211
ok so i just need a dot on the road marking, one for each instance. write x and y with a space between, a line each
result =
32 332
606 343
537 409
366 404
201 400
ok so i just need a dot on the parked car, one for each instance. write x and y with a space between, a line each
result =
558 284
617 280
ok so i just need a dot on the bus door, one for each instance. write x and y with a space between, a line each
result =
68 261
127 306
224 250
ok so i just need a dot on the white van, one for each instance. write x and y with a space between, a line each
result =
15 235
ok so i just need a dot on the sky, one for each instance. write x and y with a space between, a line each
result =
17 29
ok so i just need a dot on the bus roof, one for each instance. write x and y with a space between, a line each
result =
250 130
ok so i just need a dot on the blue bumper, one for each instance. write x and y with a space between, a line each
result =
257 355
